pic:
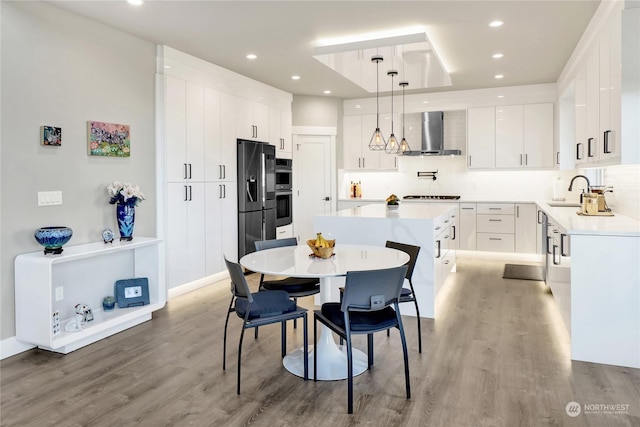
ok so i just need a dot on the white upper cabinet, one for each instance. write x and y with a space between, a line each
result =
357 132
252 120
481 138
598 83
538 135
509 136
185 141
280 132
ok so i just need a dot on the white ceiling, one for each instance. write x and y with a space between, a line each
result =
537 38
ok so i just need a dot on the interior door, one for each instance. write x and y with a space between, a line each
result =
311 182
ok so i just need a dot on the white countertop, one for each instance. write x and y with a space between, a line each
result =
419 211
567 218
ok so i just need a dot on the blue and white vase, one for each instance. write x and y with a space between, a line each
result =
126 217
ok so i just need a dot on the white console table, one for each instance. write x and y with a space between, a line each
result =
86 273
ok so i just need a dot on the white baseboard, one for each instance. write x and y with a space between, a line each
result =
11 346
197 284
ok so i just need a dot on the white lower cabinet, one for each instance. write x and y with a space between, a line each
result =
185 240
221 225
468 228
284 231
47 285
496 227
526 228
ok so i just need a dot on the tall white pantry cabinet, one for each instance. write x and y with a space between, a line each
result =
202 111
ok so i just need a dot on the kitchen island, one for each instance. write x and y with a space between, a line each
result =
430 226
593 270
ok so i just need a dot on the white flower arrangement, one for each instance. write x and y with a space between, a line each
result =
124 193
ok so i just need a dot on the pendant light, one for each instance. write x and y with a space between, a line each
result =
377 141
404 145
392 145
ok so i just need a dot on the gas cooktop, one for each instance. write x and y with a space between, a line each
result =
431 197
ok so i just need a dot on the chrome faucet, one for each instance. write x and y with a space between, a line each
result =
588 185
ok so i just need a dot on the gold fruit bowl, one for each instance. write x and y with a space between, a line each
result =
322 252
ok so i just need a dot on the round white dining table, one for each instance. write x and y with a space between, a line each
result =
295 261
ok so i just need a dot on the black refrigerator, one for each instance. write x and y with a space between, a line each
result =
256 194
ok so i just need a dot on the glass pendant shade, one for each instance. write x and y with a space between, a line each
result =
404 145
377 142
392 145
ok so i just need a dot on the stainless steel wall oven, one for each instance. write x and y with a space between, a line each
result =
284 192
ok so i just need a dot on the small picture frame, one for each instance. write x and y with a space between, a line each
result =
132 292
50 136
108 139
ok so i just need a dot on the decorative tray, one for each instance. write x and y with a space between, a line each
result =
595 214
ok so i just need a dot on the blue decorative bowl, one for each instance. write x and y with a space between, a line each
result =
53 238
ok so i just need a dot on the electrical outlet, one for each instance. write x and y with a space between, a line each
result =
56 323
59 293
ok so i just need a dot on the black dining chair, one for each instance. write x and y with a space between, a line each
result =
409 294
369 305
259 309
296 287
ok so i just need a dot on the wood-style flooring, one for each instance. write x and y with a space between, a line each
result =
498 355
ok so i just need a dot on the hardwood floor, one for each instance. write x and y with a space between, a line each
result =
498 355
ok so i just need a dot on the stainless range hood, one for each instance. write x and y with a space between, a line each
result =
432 143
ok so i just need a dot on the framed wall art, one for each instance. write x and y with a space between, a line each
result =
50 136
108 139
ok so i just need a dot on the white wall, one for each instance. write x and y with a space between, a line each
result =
62 70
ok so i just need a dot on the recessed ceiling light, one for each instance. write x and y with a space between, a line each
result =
500 96
167 66
358 106
496 24
425 102
295 77
497 55
252 56
135 2
327 92
498 76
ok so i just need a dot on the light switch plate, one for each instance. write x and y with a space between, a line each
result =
49 198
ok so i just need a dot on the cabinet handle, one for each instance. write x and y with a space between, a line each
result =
520 159
439 246
467 209
469 160
219 171
589 147
557 157
363 159
453 228
446 261
219 191
495 209
579 151
446 221
495 238
526 159
184 176
190 193
495 220
554 255
438 228
186 194
189 170
548 245
606 142
359 160
562 247
539 217
224 171
395 162
517 211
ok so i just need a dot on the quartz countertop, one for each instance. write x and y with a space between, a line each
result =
419 211
567 218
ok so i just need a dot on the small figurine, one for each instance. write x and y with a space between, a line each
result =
107 235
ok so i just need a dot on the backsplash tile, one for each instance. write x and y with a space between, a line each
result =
625 198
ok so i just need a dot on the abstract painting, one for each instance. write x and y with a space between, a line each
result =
108 139
50 135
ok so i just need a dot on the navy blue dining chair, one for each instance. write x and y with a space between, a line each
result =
259 309
369 305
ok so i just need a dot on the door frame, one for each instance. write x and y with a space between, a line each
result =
331 132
